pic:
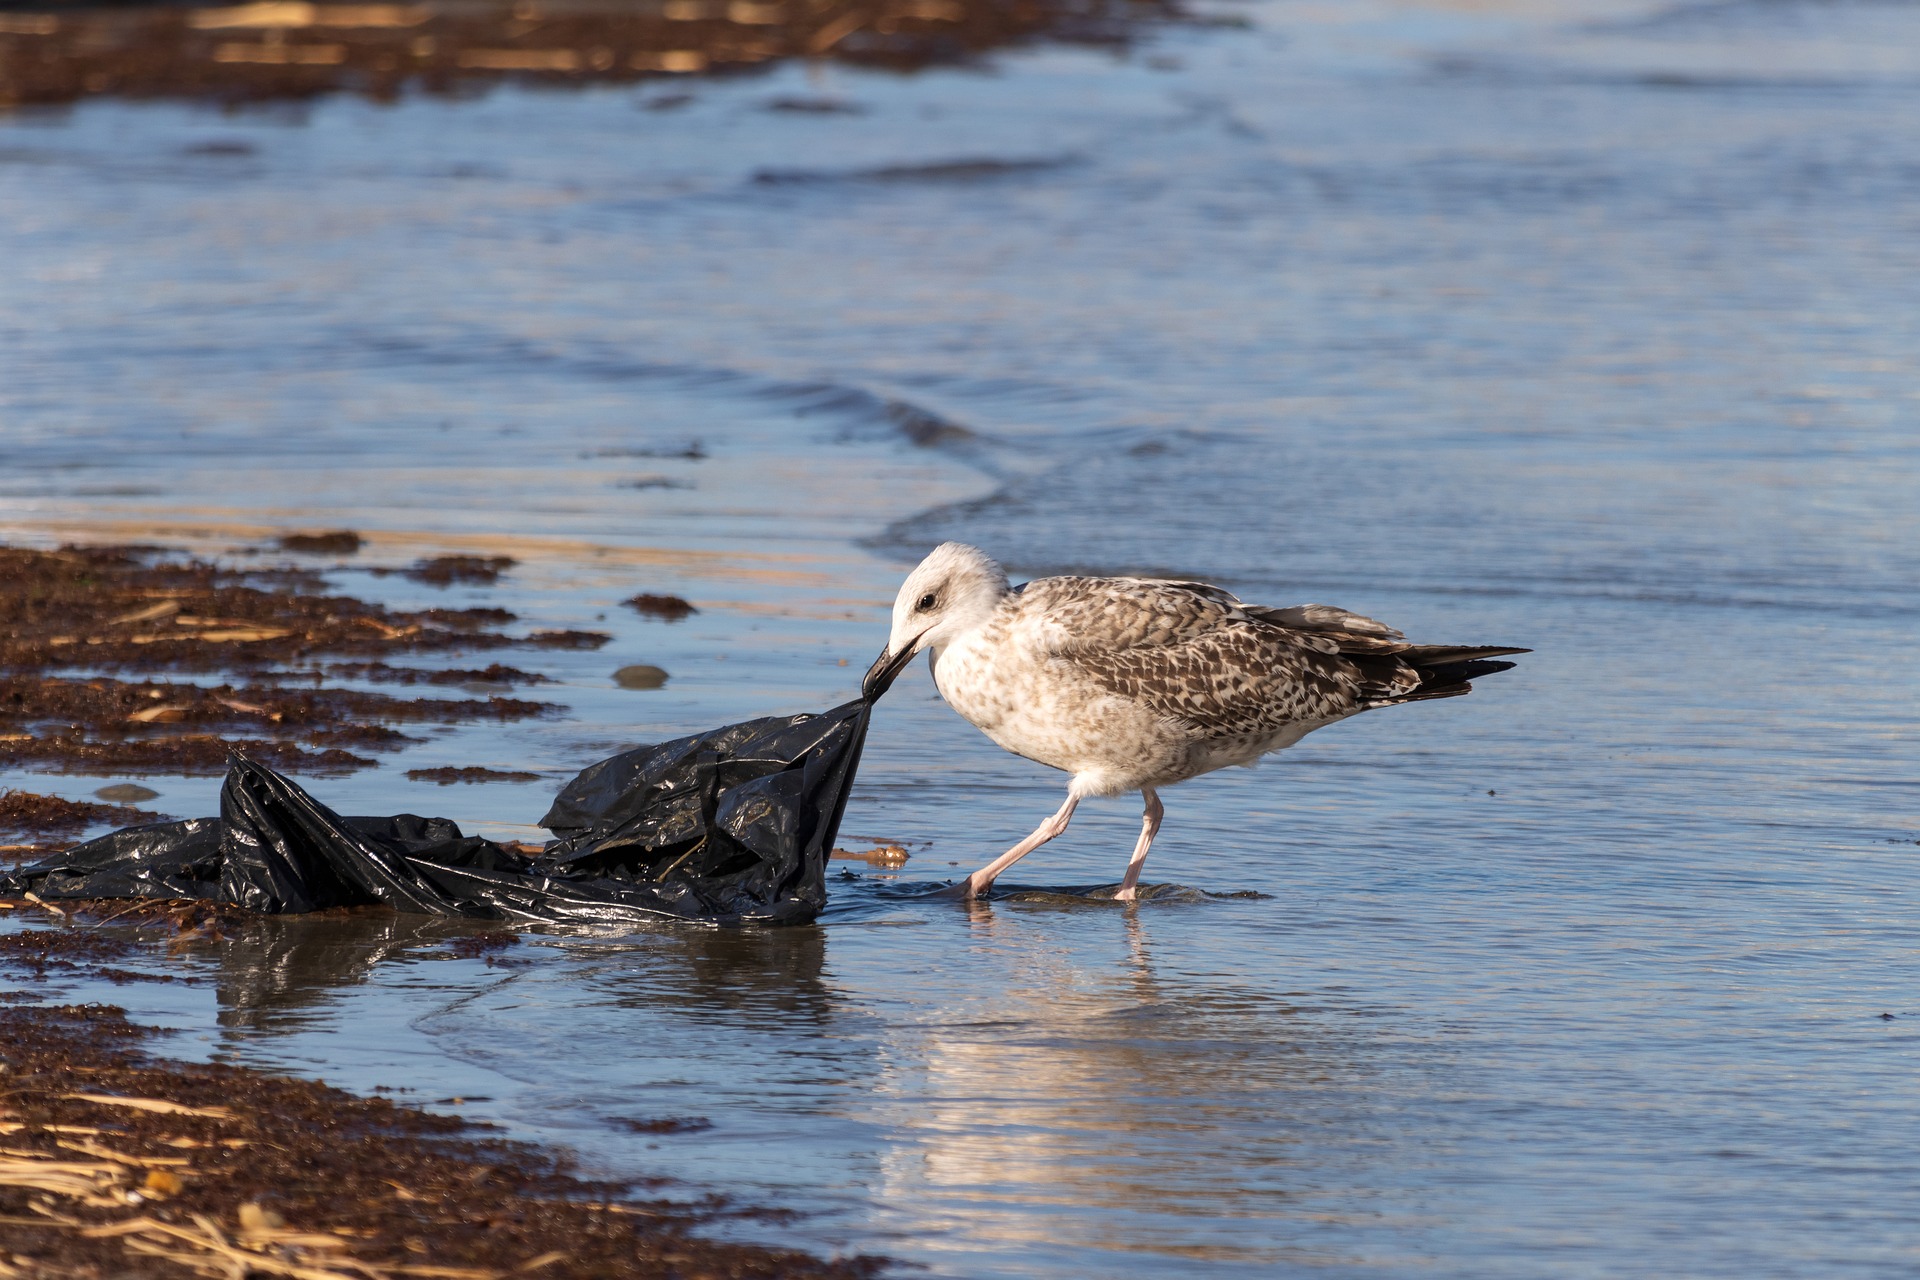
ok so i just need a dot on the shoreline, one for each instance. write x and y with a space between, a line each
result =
117 1161
291 1177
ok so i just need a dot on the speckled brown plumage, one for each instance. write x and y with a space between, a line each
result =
1133 683
1151 682
1197 658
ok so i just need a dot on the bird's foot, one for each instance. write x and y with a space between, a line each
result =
1126 894
972 889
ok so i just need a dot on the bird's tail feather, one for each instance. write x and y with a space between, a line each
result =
1438 655
1420 672
1451 679
1453 676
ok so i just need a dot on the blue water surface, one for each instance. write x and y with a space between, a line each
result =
1584 327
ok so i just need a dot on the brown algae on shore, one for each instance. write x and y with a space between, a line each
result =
664 607
446 571
447 775
114 1162
281 49
340 542
95 633
27 811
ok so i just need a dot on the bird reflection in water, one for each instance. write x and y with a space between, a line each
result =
1068 1076
1116 1107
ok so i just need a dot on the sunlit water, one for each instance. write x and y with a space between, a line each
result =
1583 328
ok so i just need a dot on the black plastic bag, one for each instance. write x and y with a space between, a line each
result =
730 826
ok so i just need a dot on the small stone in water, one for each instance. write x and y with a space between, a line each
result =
127 793
640 676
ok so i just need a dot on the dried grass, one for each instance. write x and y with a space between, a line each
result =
259 1244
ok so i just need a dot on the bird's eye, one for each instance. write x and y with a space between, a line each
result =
926 602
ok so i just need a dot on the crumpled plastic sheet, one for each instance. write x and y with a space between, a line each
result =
730 826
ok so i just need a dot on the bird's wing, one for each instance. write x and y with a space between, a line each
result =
1349 631
1068 615
1195 655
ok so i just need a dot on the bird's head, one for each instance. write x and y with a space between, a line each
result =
951 592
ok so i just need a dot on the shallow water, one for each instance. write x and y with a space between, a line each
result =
1583 327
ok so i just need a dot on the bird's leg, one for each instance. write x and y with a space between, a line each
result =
1149 828
982 880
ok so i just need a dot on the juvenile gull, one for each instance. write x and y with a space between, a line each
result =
1132 684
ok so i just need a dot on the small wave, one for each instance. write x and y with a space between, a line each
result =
973 169
870 411
1516 72
860 410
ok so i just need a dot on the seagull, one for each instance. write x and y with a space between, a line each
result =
1133 684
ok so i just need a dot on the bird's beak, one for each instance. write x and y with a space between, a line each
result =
885 669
